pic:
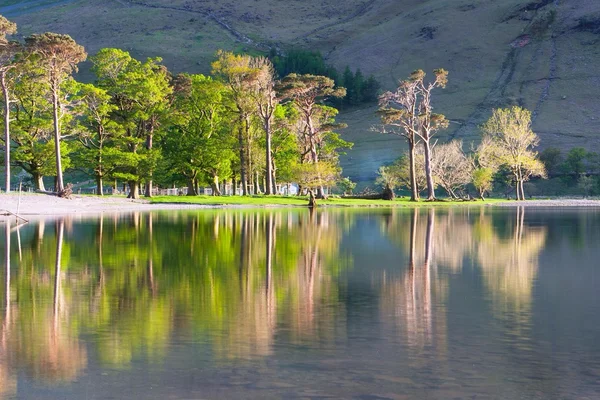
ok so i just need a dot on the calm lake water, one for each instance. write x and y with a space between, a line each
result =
463 303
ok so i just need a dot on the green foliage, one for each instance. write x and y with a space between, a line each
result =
198 146
346 185
483 180
552 159
304 62
511 142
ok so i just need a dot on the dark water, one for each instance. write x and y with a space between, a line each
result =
385 304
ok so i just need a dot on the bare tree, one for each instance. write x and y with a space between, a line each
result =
60 54
429 122
399 110
451 168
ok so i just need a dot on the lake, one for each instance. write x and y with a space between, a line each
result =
446 303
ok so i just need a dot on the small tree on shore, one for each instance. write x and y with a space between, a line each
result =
314 176
511 143
451 168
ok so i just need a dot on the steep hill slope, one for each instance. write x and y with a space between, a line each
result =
542 54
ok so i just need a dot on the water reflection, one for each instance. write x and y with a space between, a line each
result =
506 255
122 290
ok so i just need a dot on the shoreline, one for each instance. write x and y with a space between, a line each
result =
32 205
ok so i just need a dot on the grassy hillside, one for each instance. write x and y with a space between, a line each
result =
541 54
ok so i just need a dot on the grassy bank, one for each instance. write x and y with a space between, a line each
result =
294 201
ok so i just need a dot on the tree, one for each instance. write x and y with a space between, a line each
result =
32 125
198 145
141 93
238 73
60 55
313 176
451 168
8 51
266 101
511 141
305 91
575 163
397 174
552 159
388 177
428 121
347 186
482 180
399 110
97 130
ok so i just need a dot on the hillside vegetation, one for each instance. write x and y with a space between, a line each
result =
540 54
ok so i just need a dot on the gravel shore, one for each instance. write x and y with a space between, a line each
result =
40 204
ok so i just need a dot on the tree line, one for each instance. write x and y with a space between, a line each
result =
246 124
506 151
141 124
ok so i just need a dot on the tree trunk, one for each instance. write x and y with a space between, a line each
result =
134 190
257 189
312 201
269 160
38 180
99 183
522 189
192 187
215 186
99 188
149 140
55 107
428 173
274 178
388 193
6 130
414 191
243 177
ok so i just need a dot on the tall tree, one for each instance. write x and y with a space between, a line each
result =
512 142
32 125
266 101
239 75
408 110
399 113
198 145
8 51
97 130
141 93
306 91
429 122
60 55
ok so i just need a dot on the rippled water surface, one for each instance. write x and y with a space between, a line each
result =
477 303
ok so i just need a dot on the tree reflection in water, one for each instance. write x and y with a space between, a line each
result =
237 281
508 263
